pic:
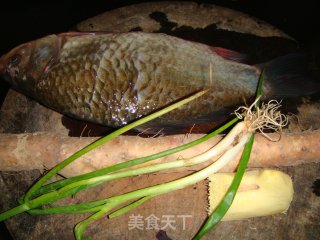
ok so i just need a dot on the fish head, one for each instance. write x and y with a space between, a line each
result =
26 65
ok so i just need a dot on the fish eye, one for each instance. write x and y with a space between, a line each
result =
15 59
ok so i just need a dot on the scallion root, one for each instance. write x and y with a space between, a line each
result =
268 117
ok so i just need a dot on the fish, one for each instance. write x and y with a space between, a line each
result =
113 79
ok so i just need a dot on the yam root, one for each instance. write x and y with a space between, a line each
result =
44 150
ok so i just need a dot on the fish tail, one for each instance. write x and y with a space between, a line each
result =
288 77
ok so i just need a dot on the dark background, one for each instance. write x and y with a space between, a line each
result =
26 20
22 21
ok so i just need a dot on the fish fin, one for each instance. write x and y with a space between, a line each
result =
230 54
287 77
201 124
160 126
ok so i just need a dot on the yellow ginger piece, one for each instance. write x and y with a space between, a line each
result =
261 193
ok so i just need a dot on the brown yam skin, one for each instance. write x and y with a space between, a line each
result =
44 150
